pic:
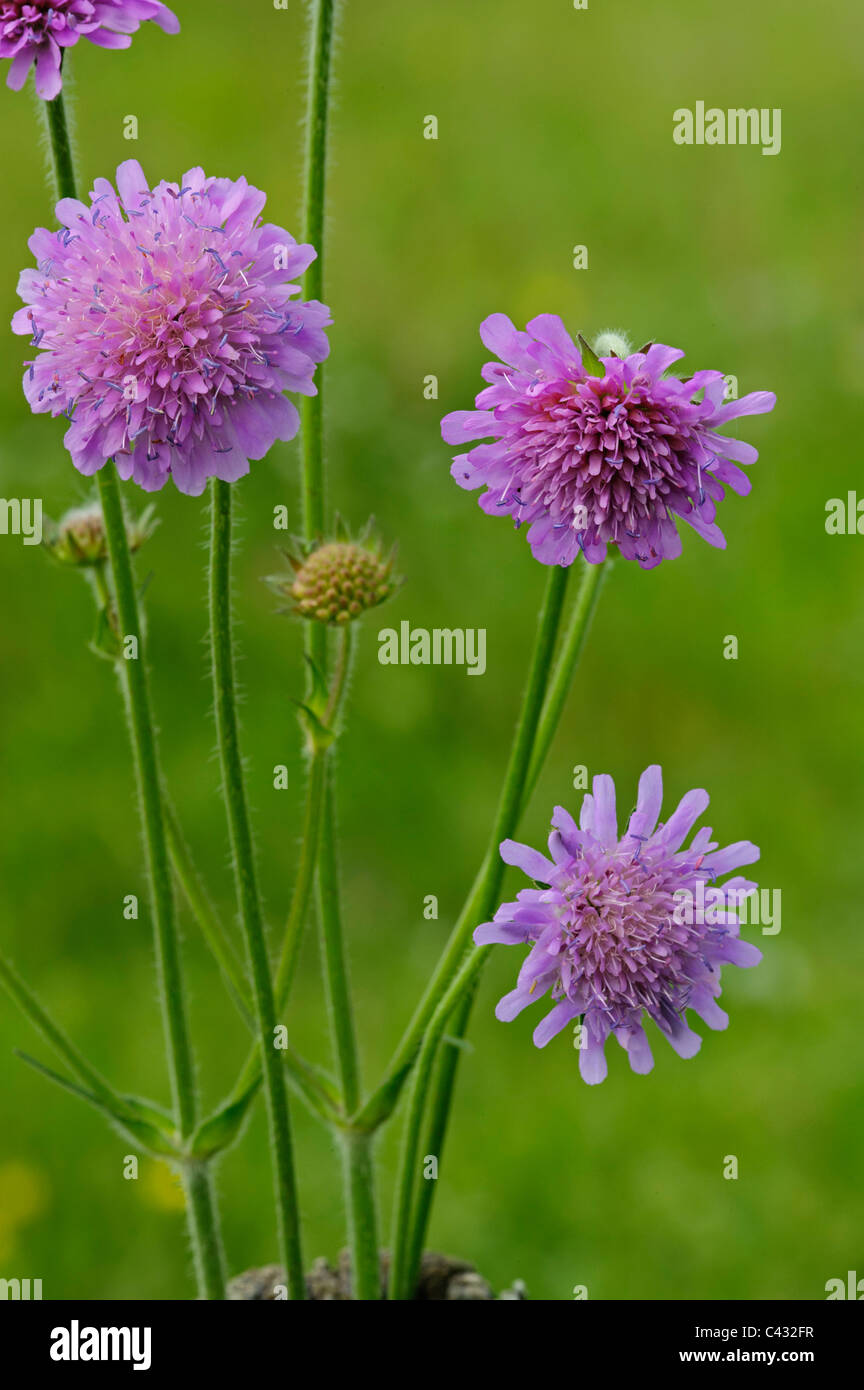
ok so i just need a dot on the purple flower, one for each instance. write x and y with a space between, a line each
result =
626 926
168 328
38 31
596 460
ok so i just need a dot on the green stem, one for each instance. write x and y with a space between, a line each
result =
202 909
61 146
305 879
593 578
313 1087
359 1185
317 122
133 677
202 1218
304 882
322 18
437 1120
201 1204
405 1258
487 883
247 886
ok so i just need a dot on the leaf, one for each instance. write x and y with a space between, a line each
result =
151 1114
222 1128
105 641
319 695
319 736
145 1135
590 361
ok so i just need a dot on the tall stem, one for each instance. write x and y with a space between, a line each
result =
356 1149
312 407
245 874
572 646
61 146
406 1246
359 1186
593 577
488 880
200 1204
133 676
306 869
200 1197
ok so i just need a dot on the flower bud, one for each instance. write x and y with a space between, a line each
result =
338 581
78 538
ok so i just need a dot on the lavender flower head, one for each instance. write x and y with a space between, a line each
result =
168 328
37 31
626 927
598 452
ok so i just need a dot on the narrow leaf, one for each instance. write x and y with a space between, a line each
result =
145 1135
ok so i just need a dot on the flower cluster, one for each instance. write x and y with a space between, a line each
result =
598 452
38 31
168 328
612 935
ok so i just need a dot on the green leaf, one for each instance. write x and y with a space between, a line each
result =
222 1128
152 1140
151 1114
319 695
105 642
320 737
590 361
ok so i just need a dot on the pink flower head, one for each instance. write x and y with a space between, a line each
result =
602 453
168 328
37 31
626 928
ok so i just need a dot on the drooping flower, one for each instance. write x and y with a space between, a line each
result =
592 452
38 31
168 328
625 928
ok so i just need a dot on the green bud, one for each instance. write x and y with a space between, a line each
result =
338 581
613 343
78 538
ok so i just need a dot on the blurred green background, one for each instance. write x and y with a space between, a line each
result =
555 129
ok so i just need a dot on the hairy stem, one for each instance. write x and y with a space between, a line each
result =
322 16
405 1257
572 646
383 1101
306 869
359 1184
246 882
593 577
61 146
132 671
212 930
200 1196
202 1216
